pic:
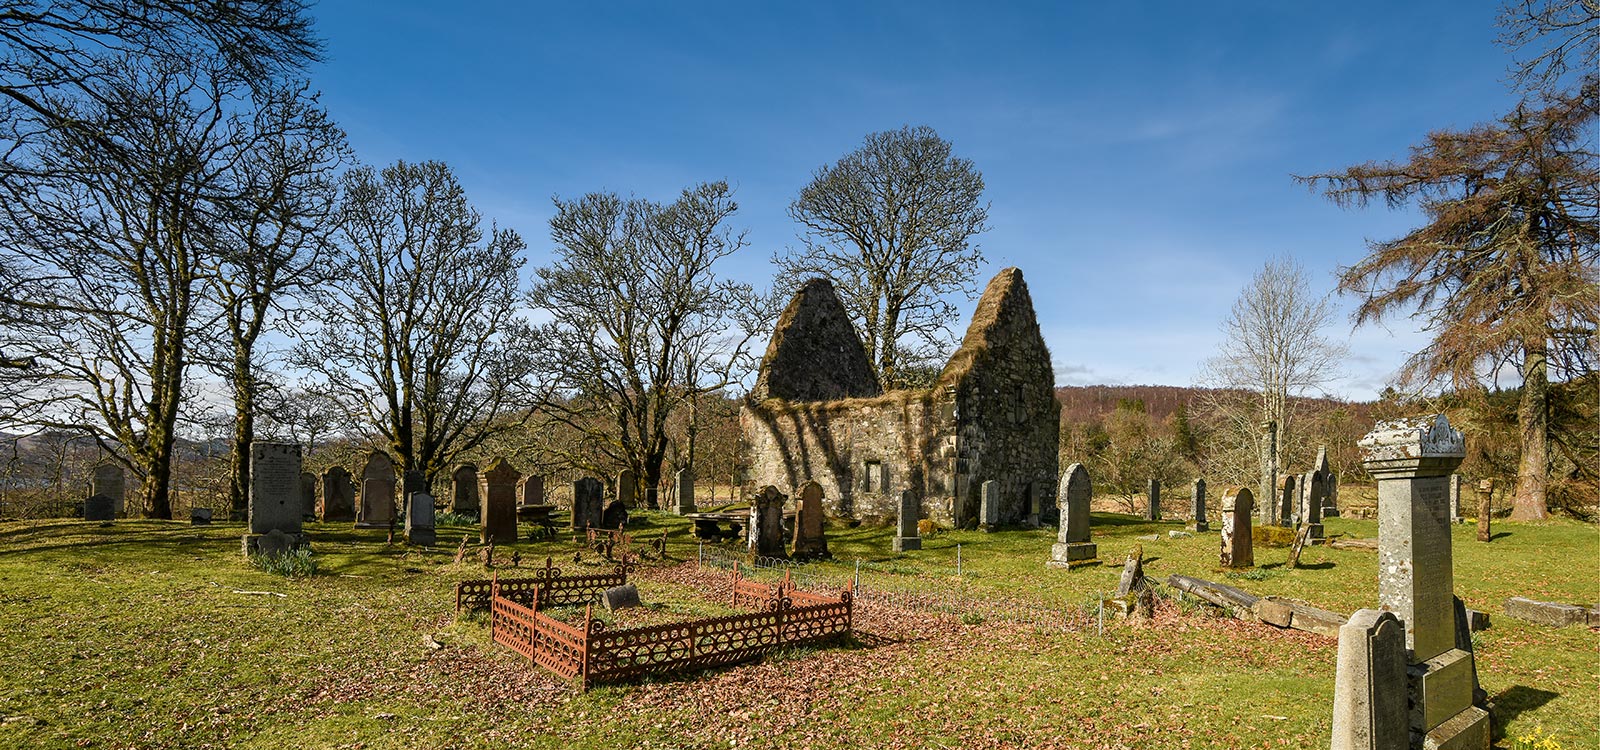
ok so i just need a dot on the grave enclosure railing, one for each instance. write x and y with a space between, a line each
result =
549 587
592 653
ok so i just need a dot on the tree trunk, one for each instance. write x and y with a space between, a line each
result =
243 434
1533 420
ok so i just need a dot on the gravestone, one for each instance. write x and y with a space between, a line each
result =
766 523
1330 503
99 508
1033 502
464 490
377 492
1303 502
1286 500
199 516
275 501
1369 685
1412 459
587 498
989 505
1311 513
685 479
1455 498
1072 540
620 597
1152 505
810 539
615 515
308 495
628 487
338 495
419 520
498 492
1485 508
1238 549
108 480
906 536
530 491
1268 483
1197 507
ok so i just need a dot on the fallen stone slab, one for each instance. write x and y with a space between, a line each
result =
1548 613
1367 544
1292 613
1238 601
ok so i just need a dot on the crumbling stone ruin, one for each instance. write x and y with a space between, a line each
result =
817 414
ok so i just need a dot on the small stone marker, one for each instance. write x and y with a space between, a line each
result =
620 597
628 488
1237 547
109 480
1197 508
1412 460
810 539
377 492
419 520
498 492
615 515
1369 687
275 494
1072 540
1455 498
464 490
99 508
989 505
1485 509
530 491
308 496
1152 506
199 516
685 479
273 544
765 532
906 536
338 495
588 497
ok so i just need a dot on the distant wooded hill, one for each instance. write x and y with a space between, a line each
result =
1091 403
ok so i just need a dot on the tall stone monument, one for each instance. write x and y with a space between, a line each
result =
1197 507
685 477
588 498
108 481
1369 688
338 495
1152 506
275 502
1072 539
907 536
810 541
498 490
989 505
464 490
1268 484
419 520
1238 549
377 492
766 523
1412 460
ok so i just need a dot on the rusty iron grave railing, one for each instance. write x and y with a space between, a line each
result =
548 587
618 543
592 653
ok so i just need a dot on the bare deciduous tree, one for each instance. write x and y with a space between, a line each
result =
892 225
414 337
1549 38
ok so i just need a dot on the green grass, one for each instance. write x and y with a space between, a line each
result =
153 634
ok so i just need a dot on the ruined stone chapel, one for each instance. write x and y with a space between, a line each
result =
818 414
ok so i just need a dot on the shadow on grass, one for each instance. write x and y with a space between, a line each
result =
1498 535
1513 701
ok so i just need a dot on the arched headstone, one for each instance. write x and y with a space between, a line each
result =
1238 549
498 487
1072 540
376 509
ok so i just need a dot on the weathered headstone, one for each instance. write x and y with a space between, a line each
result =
1412 460
99 508
275 501
338 495
810 539
498 492
1369 686
615 515
308 495
766 523
1152 505
108 480
588 497
419 520
530 491
1311 513
1268 483
1238 549
989 505
685 479
464 490
1284 515
1485 508
377 492
1455 498
1197 508
906 536
1330 503
620 597
1072 540
628 488
199 516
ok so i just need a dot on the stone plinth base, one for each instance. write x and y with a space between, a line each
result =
1468 730
273 543
907 543
1062 555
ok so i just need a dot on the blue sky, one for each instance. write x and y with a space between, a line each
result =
1137 154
